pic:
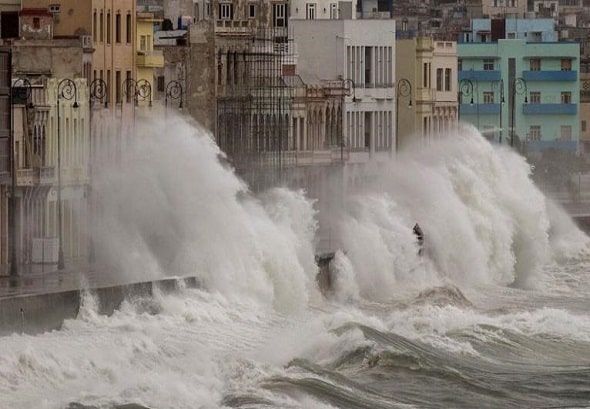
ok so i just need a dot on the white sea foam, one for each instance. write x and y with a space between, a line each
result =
173 208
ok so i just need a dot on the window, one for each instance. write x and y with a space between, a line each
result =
448 75
368 68
118 28
535 97
128 28
488 64
251 10
368 118
535 133
118 86
226 11
439 79
101 26
566 97
535 64
566 132
109 27
310 11
279 12
333 11
142 43
513 3
566 64
488 97
583 126
94 25
36 23
495 3
208 9
128 82
426 75
160 83
108 80
460 64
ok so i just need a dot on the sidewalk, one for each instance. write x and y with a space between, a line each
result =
52 280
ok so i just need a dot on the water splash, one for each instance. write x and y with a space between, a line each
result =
173 208
484 220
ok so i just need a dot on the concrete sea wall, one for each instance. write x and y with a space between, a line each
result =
37 313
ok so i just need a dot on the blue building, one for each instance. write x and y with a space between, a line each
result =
518 85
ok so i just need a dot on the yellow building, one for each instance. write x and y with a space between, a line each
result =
414 63
148 59
431 68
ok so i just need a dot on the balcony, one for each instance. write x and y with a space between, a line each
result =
34 176
550 109
233 26
150 59
550 75
25 177
480 109
491 75
539 146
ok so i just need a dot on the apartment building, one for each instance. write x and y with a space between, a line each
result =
522 92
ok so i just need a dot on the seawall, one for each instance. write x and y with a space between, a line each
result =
37 313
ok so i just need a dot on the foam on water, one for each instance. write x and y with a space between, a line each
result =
173 208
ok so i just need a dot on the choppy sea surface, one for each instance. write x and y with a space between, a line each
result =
495 314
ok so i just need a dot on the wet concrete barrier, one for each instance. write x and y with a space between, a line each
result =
37 313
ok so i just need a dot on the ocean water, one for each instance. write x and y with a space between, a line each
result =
494 315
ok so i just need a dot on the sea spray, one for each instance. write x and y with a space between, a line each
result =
173 208
483 218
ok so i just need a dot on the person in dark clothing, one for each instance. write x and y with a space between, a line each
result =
420 237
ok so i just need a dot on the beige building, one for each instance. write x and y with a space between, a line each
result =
431 68
444 81
106 28
414 63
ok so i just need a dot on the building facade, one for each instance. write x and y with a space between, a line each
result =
538 82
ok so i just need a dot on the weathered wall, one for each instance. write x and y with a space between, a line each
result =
57 58
39 313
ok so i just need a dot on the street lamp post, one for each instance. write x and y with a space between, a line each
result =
404 89
465 90
174 91
21 89
140 90
519 87
500 85
98 91
66 89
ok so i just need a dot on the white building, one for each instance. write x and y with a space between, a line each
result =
362 53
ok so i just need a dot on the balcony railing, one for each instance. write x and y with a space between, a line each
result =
480 109
25 177
550 109
486 75
34 176
550 75
150 59
233 26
